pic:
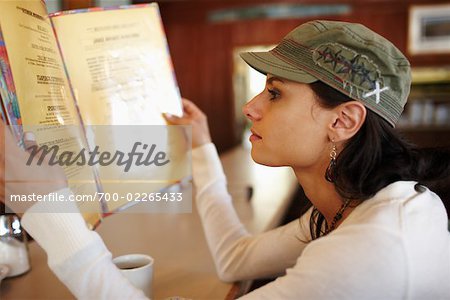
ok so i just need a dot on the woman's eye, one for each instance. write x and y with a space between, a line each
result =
274 94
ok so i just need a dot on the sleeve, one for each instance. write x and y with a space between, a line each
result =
77 255
237 254
350 265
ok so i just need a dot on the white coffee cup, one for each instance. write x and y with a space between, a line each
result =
13 245
138 269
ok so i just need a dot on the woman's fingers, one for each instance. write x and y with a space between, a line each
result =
29 140
196 118
187 106
191 113
190 108
174 120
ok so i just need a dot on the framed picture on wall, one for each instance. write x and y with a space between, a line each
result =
429 29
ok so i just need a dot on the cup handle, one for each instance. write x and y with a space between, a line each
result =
4 270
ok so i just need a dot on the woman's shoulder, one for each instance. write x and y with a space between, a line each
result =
399 207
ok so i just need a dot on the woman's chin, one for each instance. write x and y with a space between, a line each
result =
263 159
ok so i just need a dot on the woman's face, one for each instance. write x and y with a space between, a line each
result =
289 126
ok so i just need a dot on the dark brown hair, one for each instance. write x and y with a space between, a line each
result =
376 157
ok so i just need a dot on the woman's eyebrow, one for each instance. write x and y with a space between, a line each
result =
272 79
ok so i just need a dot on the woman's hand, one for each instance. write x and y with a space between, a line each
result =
195 117
22 179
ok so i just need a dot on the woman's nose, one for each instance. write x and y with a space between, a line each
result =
252 110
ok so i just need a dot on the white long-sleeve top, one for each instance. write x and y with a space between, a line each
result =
393 246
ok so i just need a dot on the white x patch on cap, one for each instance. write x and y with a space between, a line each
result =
377 91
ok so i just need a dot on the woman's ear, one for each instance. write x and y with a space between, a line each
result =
349 118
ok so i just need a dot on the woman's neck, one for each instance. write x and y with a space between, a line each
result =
322 194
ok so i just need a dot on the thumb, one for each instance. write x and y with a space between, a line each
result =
174 120
168 117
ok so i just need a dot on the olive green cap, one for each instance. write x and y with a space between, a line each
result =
348 57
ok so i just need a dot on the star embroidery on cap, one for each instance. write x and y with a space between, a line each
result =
365 76
377 91
328 56
353 66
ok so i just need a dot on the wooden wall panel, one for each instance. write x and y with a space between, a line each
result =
198 54
202 51
76 4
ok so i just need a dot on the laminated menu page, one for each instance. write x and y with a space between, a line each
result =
92 85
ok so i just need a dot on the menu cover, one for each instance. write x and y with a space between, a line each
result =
83 78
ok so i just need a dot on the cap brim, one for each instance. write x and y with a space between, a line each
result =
267 63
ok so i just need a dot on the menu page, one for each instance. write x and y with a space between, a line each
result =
119 65
41 89
121 73
39 78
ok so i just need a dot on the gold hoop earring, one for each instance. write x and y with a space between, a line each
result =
330 173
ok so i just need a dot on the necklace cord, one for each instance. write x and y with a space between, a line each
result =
337 216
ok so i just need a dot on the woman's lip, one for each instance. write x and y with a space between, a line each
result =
254 137
255 134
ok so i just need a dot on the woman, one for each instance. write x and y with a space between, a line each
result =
333 93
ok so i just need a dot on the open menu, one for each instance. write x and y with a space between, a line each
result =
89 80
